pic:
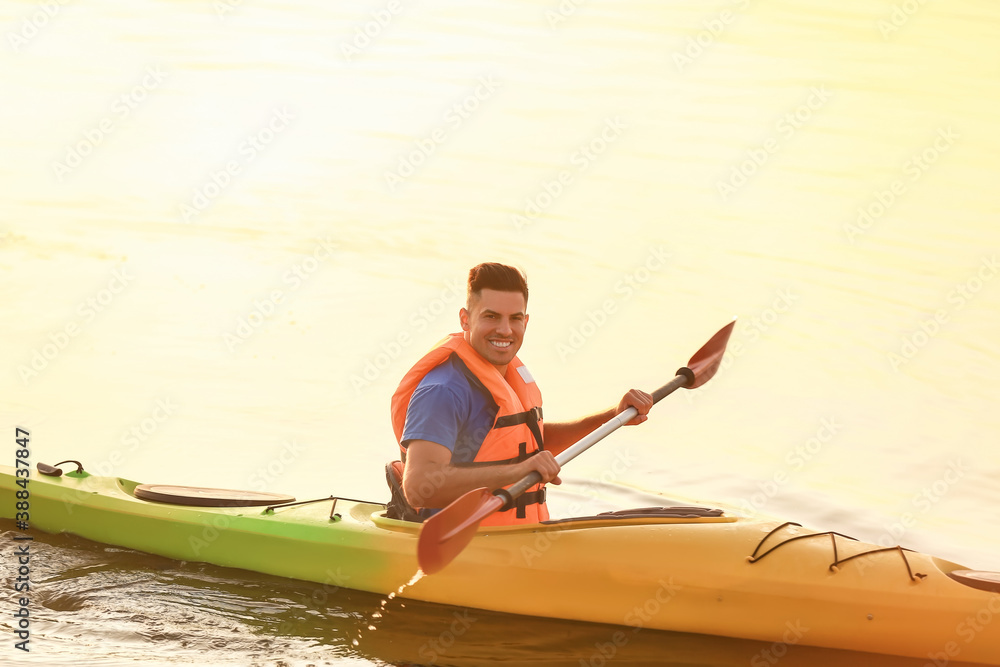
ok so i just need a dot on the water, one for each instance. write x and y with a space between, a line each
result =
217 264
380 613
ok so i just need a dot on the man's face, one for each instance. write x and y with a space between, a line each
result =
494 325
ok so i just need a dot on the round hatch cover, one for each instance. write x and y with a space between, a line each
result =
987 581
202 497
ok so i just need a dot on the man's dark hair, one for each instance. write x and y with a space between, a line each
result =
500 277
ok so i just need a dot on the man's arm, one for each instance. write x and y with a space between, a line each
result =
429 479
560 435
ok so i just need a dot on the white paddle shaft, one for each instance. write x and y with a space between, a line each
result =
592 438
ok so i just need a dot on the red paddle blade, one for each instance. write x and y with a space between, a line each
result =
445 535
706 361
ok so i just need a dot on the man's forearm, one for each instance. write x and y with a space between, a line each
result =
560 435
437 485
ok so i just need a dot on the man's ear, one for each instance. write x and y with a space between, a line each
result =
463 317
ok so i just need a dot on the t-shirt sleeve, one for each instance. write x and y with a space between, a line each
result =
435 414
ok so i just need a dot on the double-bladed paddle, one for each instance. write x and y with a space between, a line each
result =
445 535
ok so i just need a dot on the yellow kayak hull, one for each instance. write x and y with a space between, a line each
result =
719 575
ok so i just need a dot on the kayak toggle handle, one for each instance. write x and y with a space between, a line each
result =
56 471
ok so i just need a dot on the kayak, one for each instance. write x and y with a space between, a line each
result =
687 569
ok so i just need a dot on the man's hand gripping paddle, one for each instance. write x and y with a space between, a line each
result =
446 534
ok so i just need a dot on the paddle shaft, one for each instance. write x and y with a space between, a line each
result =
444 535
682 379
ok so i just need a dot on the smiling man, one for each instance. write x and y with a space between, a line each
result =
469 414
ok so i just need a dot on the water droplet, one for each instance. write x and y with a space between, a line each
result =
391 596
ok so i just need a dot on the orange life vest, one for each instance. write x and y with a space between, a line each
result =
517 431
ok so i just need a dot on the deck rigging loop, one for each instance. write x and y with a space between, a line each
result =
837 561
334 516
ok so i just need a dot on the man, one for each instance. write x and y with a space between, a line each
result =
469 414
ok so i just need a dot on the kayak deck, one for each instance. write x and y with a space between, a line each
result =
714 574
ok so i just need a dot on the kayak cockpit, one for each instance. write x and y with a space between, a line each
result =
682 512
629 517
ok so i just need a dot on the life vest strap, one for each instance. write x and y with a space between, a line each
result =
529 498
523 455
530 417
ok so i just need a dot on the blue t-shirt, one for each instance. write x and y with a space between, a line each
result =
447 409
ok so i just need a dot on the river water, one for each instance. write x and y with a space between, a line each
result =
228 228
